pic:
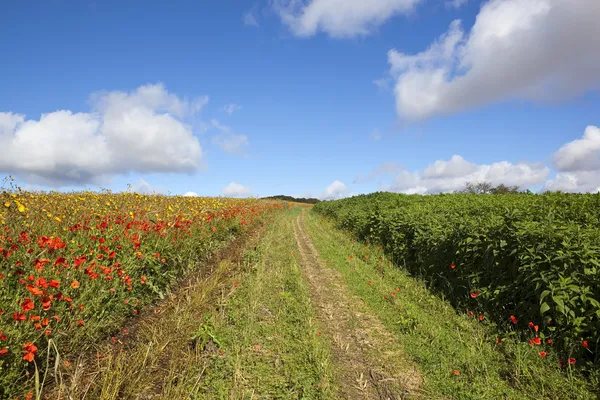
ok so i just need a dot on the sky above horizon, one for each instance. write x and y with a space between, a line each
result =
309 98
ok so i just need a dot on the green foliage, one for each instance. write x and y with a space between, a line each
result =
536 257
293 199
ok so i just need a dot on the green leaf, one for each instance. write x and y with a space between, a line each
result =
544 308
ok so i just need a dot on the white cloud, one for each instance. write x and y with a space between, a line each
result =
190 194
143 187
339 18
375 135
580 181
578 164
447 176
335 190
236 190
517 49
249 18
231 108
227 140
141 131
581 154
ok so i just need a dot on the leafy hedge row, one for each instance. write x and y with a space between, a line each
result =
535 257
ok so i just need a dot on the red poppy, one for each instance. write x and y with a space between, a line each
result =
481 317
470 313
4 351
542 354
27 304
29 349
537 341
452 266
75 284
513 319
54 283
585 344
530 324
143 279
80 323
456 372
46 303
42 282
562 363
549 341
473 295
572 361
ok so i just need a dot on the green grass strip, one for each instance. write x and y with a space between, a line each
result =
267 329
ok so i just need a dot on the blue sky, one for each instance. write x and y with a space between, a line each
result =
331 98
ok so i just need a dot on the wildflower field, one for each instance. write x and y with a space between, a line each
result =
74 267
529 263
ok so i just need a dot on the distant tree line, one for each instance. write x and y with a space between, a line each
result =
486 187
294 199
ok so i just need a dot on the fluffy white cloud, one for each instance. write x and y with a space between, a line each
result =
190 194
580 181
578 164
231 108
339 18
451 175
335 190
581 154
227 140
141 131
517 49
236 190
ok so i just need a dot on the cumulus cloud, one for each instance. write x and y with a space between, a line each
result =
236 190
142 131
581 154
536 50
339 18
578 164
143 187
190 194
335 190
228 140
231 108
444 176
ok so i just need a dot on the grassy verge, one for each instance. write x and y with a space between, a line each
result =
267 330
458 355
